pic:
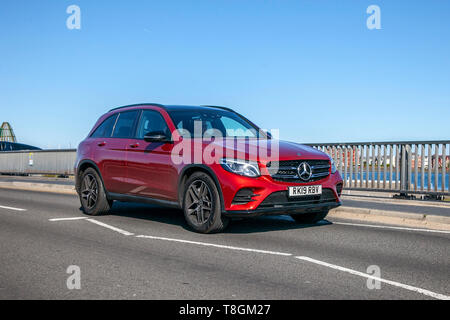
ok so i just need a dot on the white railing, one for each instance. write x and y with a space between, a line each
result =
405 167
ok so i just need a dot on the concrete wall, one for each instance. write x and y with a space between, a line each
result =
59 162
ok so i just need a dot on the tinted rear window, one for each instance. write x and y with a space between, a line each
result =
105 129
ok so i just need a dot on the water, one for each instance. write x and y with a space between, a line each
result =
374 175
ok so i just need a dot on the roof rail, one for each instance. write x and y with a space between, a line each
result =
219 107
138 104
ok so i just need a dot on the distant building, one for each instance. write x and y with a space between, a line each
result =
429 160
10 146
7 133
8 140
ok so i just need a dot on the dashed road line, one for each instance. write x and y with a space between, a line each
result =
125 233
67 219
206 244
362 274
12 208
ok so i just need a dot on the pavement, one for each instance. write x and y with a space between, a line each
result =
147 252
392 205
38 179
39 183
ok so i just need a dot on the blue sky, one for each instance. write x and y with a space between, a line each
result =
310 68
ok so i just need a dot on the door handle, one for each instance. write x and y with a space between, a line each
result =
101 144
134 145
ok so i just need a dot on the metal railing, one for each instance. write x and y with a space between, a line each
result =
401 167
409 167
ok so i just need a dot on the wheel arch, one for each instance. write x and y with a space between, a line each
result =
83 166
187 171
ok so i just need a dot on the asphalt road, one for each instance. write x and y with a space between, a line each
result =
146 252
386 204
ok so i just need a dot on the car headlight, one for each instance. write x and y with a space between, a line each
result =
333 166
242 167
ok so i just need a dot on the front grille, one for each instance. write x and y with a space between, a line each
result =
282 199
287 171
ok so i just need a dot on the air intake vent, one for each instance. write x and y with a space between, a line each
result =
244 196
339 189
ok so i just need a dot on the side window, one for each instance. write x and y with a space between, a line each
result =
125 124
105 129
151 121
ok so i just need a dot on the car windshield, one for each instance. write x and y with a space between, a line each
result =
228 124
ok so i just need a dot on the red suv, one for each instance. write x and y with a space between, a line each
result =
209 161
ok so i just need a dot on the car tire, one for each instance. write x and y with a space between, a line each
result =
309 217
93 199
201 204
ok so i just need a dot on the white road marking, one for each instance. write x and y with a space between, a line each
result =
11 208
67 219
322 263
393 283
390 227
126 233
216 245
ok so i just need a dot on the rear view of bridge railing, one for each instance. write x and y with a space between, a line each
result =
420 167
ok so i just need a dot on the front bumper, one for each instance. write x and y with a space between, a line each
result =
270 197
295 209
279 203
264 188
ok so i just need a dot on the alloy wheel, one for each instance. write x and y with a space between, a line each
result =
199 202
89 191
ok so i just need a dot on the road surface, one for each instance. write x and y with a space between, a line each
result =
146 252
386 204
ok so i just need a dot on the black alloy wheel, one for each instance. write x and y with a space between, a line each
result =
201 204
92 194
89 191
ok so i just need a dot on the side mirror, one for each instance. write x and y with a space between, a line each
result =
157 136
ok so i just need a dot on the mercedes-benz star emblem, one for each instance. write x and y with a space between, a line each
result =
304 171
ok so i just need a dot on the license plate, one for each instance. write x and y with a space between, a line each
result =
300 191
